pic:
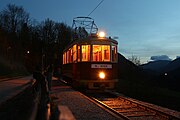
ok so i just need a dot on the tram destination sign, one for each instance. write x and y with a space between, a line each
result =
109 66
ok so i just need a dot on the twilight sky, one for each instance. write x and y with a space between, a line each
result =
144 28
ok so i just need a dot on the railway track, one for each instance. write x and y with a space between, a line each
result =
130 109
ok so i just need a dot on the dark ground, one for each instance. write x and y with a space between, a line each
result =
152 94
19 107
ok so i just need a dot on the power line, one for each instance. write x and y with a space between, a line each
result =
95 8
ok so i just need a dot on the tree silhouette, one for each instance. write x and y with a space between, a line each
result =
31 43
135 60
13 18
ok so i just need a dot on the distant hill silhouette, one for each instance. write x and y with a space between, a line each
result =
126 67
157 66
128 70
152 72
176 74
172 77
172 66
168 72
147 84
162 66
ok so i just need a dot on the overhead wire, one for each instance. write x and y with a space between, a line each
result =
95 8
91 13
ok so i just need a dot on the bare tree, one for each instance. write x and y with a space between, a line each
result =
135 60
13 17
31 43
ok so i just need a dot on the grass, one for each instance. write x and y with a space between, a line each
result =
149 93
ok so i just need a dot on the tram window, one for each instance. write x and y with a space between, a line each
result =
79 54
97 53
67 56
85 50
65 59
106 52
101 53
114 53
74 53
70 55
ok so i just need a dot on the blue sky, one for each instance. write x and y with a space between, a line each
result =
144 28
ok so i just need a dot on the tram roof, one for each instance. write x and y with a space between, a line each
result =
93 40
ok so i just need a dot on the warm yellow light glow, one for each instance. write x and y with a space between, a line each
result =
101 34
102 75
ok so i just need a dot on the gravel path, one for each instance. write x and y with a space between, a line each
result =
81 107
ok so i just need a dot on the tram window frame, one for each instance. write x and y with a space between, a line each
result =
114 53
79 53
63 58
67 56
74 53
85 53
99 55
106 53
96 54
70 56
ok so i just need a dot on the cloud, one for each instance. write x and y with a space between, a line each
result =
160 57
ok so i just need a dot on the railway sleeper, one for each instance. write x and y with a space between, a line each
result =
114 104
112 100
163 116
145 118
122 107
128 110
139 114
118 103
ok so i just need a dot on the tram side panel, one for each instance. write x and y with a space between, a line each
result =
67 73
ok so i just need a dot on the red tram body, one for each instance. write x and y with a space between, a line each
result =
91 63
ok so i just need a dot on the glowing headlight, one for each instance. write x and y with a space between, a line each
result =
102 75
101 34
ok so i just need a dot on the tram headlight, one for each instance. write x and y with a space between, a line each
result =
101 34
102 75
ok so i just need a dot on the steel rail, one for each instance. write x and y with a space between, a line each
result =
144 110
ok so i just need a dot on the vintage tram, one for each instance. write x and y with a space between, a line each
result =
91 62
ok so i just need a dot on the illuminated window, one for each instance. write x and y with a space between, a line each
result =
64 58
101 53
85 50
67 56
70 55
106 52
74 53
114 53
79 54
97 55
